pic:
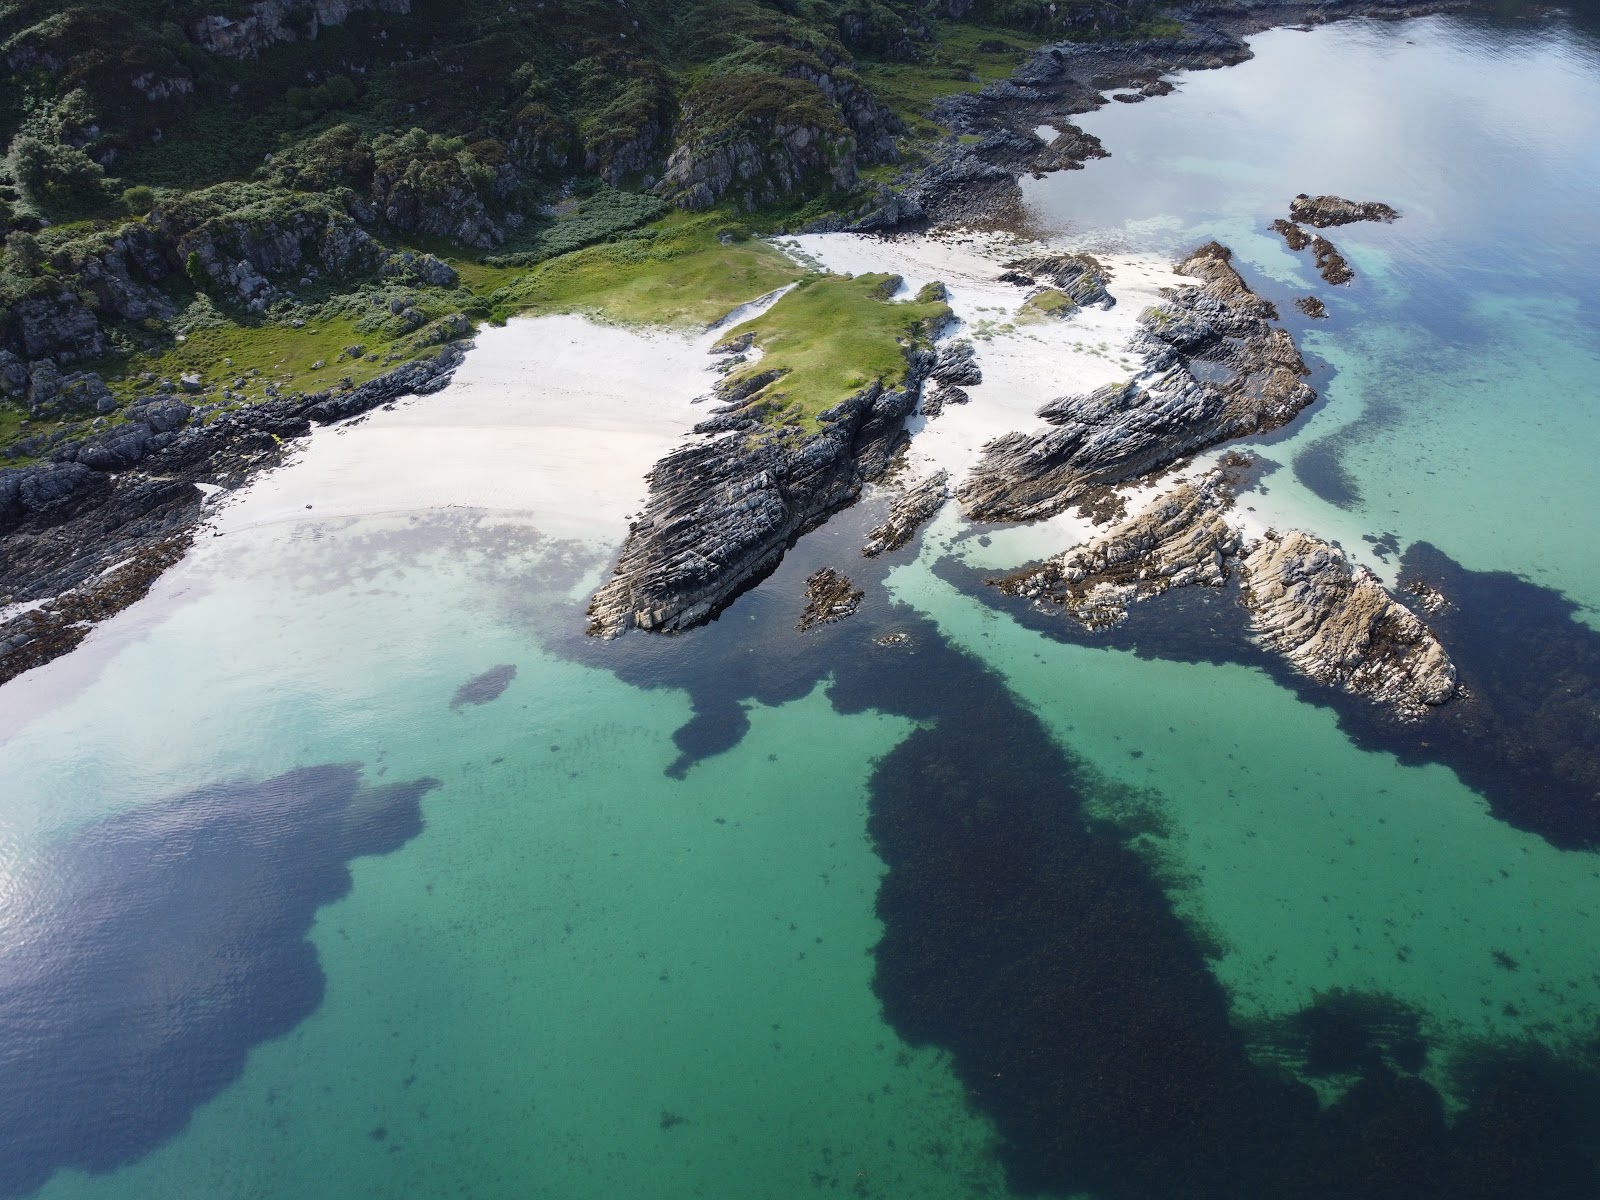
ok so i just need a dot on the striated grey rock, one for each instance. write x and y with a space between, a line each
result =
957 365
724 509
1180 539
270 21
912 503
1214 369
1337 624
1325 211
1082 277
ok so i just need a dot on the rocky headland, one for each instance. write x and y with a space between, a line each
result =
1215 367
911 503
723 509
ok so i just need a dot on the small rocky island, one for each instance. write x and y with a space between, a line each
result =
830 597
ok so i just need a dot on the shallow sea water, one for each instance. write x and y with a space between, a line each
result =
596 971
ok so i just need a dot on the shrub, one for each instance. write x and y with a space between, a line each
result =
49 173
139 200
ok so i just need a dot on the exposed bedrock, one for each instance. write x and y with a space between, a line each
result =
1214 369
1080 277
1337 624
1180 538
912 502
830 597
722 510
1326 211
89 537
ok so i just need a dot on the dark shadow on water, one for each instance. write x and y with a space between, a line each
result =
155 948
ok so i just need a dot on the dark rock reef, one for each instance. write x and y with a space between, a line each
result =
830 597
1326 211
1214 368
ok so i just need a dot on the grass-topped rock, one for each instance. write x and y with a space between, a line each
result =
831 338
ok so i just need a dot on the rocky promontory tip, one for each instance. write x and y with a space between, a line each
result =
1214 368
1336 623
911 504
1180 539
1327 211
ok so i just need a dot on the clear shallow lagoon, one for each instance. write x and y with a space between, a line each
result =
618 962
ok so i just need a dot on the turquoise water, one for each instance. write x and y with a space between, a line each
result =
639 945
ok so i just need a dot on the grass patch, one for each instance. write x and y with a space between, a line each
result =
832 336
1047 303
677 272
267 353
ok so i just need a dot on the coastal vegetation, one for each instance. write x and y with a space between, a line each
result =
288 197
828 339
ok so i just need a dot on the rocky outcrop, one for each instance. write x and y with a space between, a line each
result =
1180 539
911 503
1337 624
271 21
1311 306
830 597
1082 278
86 536
1331 265
1298 239
723 509
757 140
1214 368
1326 211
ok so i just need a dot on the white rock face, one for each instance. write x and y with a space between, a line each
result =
1338 625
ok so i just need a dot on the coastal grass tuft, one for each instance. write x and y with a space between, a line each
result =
1048 302
830 337
966 57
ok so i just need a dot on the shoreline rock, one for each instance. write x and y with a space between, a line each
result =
1179 539
1214 369
913 503
1338 624
1327 211
81 540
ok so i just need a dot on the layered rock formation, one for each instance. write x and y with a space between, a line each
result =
723 509
1326 211
911 504
1337 624
1214 369
1080 277
1180 539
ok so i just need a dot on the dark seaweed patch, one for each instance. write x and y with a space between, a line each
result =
1027 937
156 947
481 689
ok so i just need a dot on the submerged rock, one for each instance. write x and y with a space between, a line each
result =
1326 211
1181 538
830 597
1214 369
1336 623
913 503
